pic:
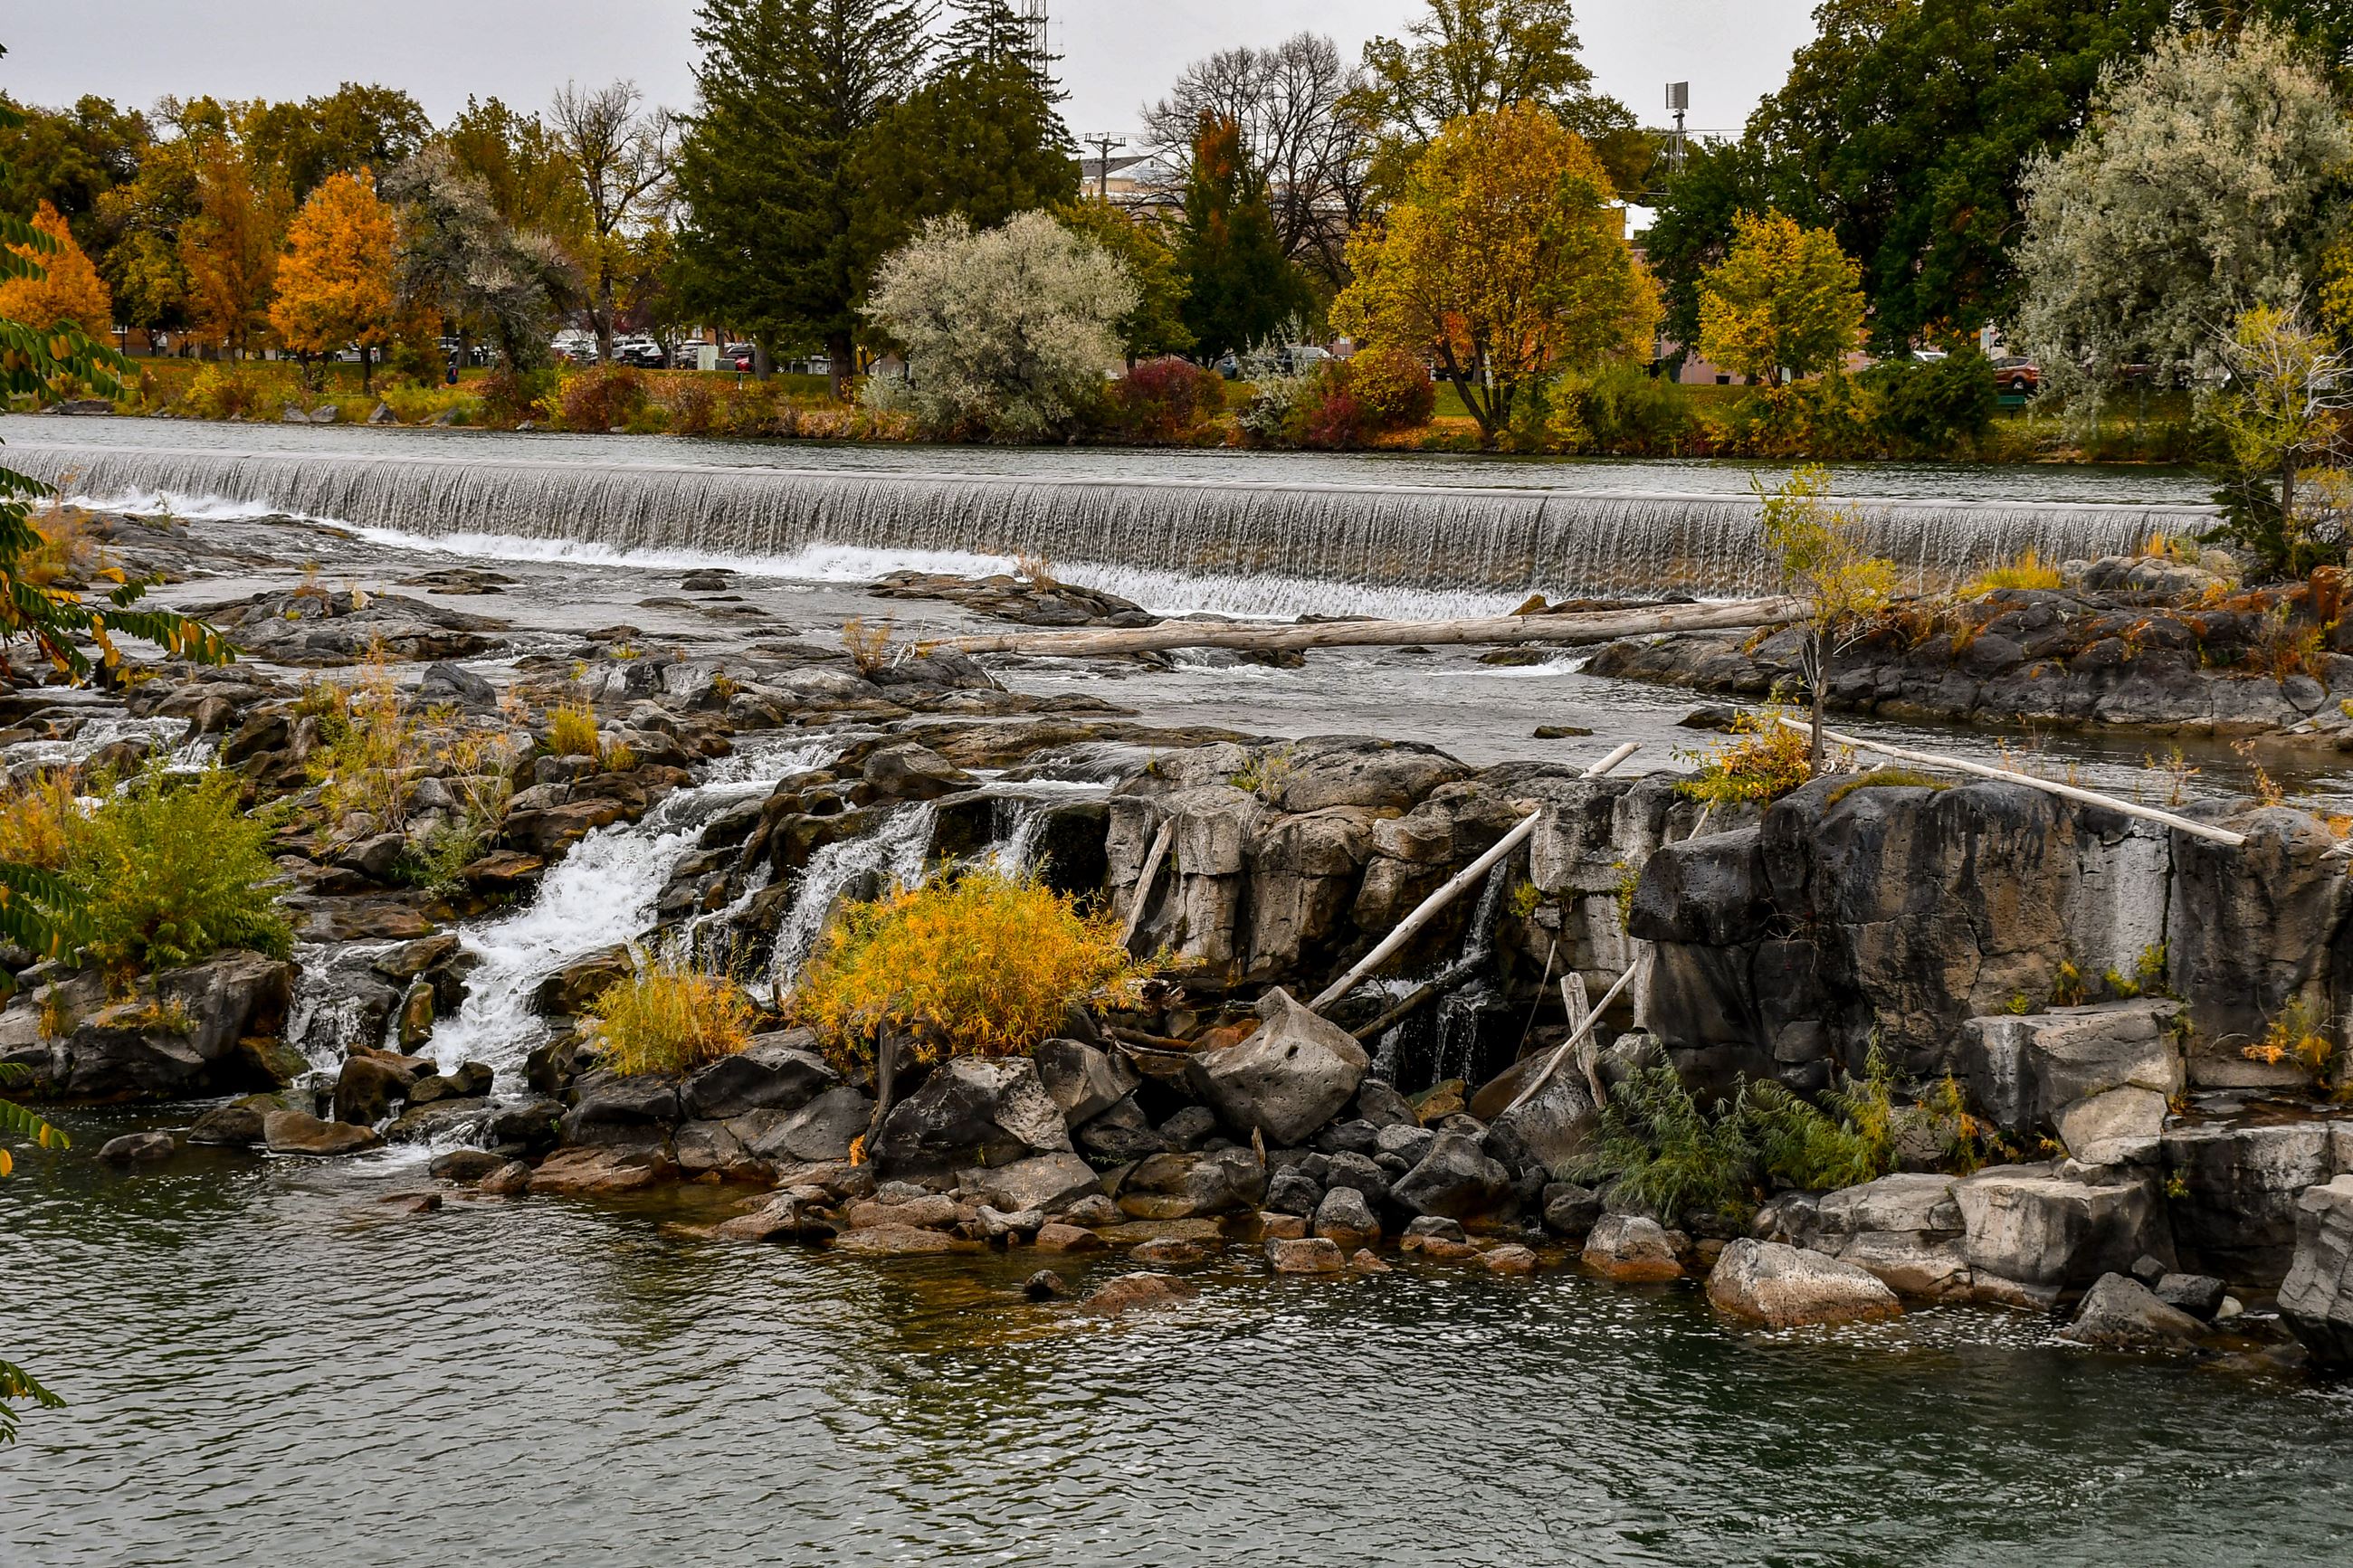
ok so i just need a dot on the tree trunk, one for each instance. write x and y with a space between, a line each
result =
1822 680
367 370
840 355
2287 495
762 367
886 1079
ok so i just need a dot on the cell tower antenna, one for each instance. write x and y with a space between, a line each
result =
1041 52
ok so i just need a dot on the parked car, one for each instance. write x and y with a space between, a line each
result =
738 355
641 351
2016 375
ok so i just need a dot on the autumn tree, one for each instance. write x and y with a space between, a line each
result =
61 287
1472 56
1785 300
228 250
1505 258
460 258
2284 407
1239 286
521 163
1825 563
337 280
619 159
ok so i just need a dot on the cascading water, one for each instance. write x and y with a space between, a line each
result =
1429 539
602 893
892 853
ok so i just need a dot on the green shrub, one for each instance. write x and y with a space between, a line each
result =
173 872
1669 1156
1847 1141
1931 409
1622 411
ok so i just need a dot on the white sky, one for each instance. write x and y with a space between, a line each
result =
1117 54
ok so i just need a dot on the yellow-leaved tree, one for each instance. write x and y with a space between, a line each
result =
1505 257
229 249
1784 299
62 287
1825 562
337 281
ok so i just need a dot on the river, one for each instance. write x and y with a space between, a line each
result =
267 1367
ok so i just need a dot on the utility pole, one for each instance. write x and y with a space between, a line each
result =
1103 142
1041 51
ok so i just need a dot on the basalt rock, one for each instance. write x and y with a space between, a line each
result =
2119 1313
1455 1179
972 1111
1786 1287
296 1132
775 1072
2317 1298
1288 1078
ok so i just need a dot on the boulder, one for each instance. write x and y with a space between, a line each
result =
1293 1075
1292 1192
2029 1233
824 1129
198 1033
1456 1178
1905 1229
1550 1131
775 1072
367 1089
137 1149
615 1108
1306 1255
2317 1298
1168 1250
596 1173
1346 1169
1055 1236
700 1146
1571 1210
1785 1287
1631 1249
906 771
971 1111
1085 1082
927 1211
1050 1184
2031 1072
237 1125
997 1225
297 1132
1131 1291
1346 1218
1045 1286
898 1241
2119 1313
453 683
1182 1187
2241 1183
784 1217
2200 1295
1380 1104
568 991
1509 1259
463 1167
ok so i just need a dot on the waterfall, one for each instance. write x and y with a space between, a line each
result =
892 853
1294 540
601 894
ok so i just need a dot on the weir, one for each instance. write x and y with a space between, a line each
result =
1419 538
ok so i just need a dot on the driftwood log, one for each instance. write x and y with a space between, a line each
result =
1569 630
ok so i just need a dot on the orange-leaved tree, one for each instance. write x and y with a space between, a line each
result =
229 249
63 286
1505 258
337 281
1785 298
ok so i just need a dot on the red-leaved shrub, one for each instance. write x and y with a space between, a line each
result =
1166 399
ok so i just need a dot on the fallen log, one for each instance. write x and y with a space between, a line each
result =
2048 786
1469 877
1564 630
1576 1036
1143 898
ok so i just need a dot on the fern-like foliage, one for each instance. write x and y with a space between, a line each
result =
1669 1155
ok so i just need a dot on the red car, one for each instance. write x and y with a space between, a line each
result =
2016 375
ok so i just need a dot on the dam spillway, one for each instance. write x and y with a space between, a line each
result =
1445 540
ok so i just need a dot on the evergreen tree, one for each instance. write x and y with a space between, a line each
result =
790 91
980 138
1238 287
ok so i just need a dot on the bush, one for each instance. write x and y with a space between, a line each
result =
173 872
1167 399
572 731
38 818
694 410
607 397
2028 570
1392 387
1669 1156
509 398
1764 760
1931 410
1330 416
1622 411
670 1017
977 963
1844 1143
367 737
231 391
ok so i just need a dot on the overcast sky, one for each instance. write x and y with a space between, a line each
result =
1117 54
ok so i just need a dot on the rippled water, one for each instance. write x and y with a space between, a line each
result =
267 1368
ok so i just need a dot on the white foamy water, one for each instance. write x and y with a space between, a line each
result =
894 852
600 894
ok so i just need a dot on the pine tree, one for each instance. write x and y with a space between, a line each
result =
63 288
790 91
336 283
980 138
1239 288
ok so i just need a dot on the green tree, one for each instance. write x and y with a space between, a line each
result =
1905 127
1238 287
789 91
1469 56
620 160
459 258
354 128
2213 179
979 138
1156 325
71 158
1692 230
1825 563
2284 405
1784 300
520 165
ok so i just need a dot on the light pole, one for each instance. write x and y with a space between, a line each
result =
1678 105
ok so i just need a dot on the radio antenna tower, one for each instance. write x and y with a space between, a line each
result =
1041 53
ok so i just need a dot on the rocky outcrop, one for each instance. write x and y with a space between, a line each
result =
2316 1299
1783 1287
1905 1229
2098 1078
211 1028
2119 1313
2031 1233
